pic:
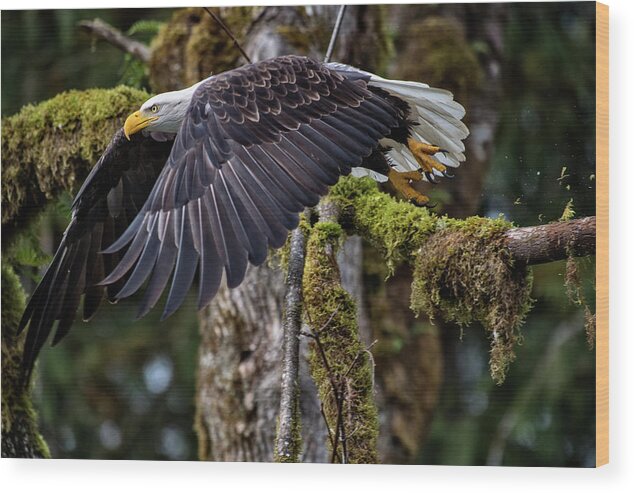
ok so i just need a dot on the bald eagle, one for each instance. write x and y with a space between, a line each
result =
205 180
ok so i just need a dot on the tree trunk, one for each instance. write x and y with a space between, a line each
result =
239 374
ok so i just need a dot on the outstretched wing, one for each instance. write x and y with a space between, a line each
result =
258 145
110 198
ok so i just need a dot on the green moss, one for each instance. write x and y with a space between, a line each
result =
575 292
50 147
569 211
397 229
20 435
464 273
330 308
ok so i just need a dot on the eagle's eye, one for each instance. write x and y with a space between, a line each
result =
154 108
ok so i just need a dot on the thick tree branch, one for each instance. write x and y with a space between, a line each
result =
50 148
550 242
399 229
340 366
116 38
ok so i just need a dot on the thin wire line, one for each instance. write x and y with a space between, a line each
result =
335 34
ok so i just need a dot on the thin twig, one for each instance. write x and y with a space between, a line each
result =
344 439
358 355
330 437
328 322
220 22
335 34
324 358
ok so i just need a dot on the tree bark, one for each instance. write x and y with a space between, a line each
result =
550 242
288 439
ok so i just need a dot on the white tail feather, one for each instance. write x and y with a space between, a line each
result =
361 172
438 117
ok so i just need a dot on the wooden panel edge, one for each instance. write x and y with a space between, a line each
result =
602 263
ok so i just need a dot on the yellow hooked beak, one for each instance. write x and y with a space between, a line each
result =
135 122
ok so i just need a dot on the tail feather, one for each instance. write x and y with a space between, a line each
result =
437 118
442 116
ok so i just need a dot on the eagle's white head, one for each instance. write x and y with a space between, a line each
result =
161 113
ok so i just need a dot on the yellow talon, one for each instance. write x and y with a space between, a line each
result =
424 156
402 183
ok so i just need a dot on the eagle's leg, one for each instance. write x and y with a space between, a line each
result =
402 183
424 156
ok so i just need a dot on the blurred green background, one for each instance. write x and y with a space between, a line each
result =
118 390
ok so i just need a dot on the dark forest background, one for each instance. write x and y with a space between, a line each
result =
116 389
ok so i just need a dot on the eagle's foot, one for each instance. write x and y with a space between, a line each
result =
402 182
424 156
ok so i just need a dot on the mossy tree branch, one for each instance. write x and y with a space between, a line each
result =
46 149
50 148
464 270
399 229
340 365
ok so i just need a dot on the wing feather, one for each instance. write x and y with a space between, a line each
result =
112 194
186 263
258 145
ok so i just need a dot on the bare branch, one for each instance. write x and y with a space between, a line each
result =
287 448
116 38
337 391
550 242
